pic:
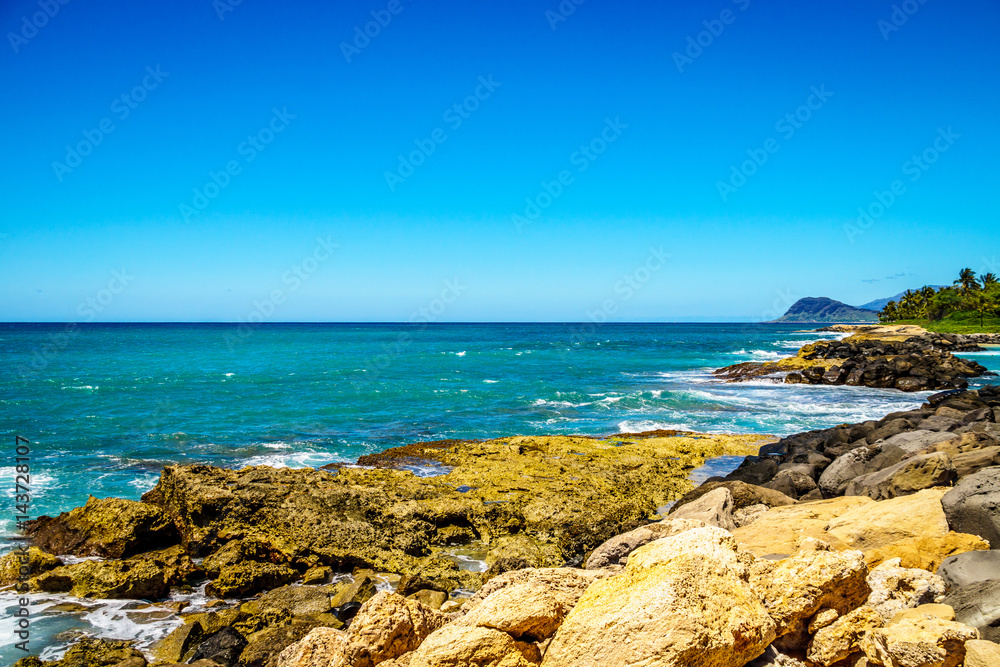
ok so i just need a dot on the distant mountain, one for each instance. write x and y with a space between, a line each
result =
879 304
817 310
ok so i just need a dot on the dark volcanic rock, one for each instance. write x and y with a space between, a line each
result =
973 506
971 567
978 605
224 647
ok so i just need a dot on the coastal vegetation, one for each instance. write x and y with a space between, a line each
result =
971 304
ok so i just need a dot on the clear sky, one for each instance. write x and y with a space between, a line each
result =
213 155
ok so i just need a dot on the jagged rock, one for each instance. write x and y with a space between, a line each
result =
455 645
895 588
224 647
109 527
238 552
680 600
320 647
35 561
429 598
715 508
796 588
386 627
978 605
296 600
973 506
250 577
263 647
873 458
919 642
110 579
971 567
527 612
842 638
583 492
894 520
616 550
174 646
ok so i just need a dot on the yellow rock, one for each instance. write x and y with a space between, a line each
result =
528 612
897 519
980 653
943 611
459 645
782 530
843 637
924 641
681 601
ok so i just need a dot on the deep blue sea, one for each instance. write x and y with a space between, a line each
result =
105 406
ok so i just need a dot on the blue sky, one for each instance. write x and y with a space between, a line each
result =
833 101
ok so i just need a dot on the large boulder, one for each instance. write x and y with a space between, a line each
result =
782 530
865 460
743 494
796 588
458 645
111 579
911 527
926 641
971 567
616 550
527 612
713 509
682 600
908 476
978 605
973 506
567 585
251 577
109 527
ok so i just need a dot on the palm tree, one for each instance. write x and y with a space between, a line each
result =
988 279
981 304
967 281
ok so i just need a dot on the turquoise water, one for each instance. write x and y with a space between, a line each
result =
106 406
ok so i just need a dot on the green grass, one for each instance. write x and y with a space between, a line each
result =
962 322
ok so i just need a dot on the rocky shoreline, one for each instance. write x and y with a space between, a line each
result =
878 357
865 544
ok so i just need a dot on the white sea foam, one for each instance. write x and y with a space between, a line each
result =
641 425
290 460
490 381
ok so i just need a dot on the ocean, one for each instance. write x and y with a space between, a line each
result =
106 406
